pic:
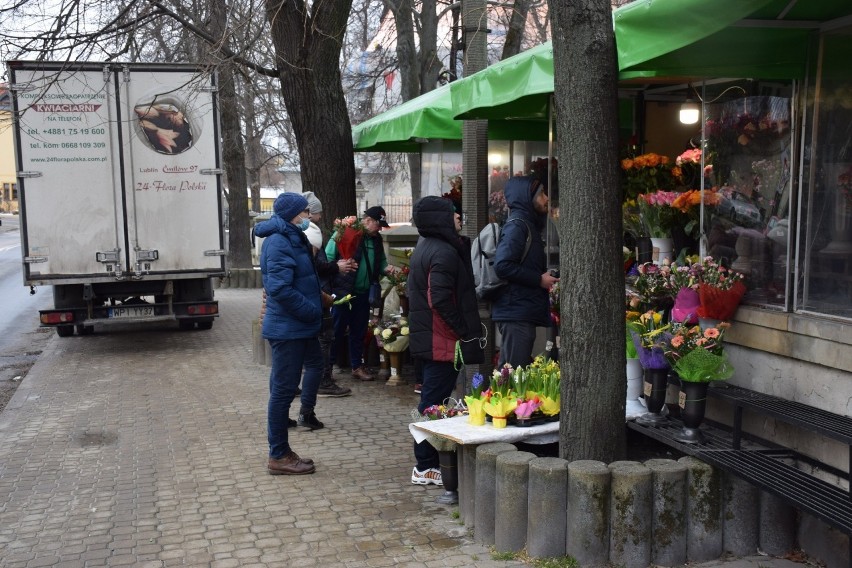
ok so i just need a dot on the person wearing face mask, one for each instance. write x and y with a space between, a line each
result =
291 324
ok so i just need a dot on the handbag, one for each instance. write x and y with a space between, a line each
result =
471 351
375 295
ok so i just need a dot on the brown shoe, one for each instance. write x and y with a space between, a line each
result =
289 465
362 374
308 461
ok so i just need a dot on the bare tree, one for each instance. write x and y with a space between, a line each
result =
515 29
592 328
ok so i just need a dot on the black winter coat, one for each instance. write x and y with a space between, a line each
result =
442 296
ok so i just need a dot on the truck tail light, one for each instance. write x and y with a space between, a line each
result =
57 317
203 310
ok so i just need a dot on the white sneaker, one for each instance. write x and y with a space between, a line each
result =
431 475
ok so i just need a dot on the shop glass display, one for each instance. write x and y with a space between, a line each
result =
824 251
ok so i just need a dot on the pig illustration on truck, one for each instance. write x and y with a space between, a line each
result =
120 191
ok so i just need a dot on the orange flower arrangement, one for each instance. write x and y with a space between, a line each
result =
647 173
692 198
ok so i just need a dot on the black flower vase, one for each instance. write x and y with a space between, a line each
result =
656 384
673 395
693 402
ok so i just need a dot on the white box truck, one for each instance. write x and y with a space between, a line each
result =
120 191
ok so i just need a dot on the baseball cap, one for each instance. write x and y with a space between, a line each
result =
377 213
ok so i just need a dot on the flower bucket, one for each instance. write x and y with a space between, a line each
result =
475 412
634 379
661 249
499 422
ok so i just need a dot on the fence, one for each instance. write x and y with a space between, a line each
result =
398 209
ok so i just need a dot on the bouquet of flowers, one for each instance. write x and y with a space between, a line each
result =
455 193
689 205
720 290
685 279
392 336
348 233
398 279
554 304
500 399
697 355
632 219
655 285
657 213
645 173
542 384
440 411
498 209
474 401
648 336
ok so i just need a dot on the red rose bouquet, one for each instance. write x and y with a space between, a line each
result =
348 233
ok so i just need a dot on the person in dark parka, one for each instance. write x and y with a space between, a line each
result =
443 309
524 303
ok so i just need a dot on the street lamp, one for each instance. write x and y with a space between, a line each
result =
360 194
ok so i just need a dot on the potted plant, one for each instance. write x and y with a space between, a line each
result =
648 336
698 357
720 291
392 337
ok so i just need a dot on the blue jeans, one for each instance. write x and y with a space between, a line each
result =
516 344
355 317
439 380
288 358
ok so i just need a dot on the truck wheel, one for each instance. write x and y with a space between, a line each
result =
65 330
186 325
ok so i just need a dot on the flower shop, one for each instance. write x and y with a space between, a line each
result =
736 194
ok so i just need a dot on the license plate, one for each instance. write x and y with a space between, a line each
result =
132 312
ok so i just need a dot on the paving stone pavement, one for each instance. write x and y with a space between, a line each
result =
147 447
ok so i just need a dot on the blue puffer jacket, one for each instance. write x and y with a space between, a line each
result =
523 298
293 302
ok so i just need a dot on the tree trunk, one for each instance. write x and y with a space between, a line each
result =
515 33
307 48
409 80
239 247
592 329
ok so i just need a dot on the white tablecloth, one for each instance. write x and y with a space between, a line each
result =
460 431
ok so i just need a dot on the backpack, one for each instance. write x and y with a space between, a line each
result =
482 253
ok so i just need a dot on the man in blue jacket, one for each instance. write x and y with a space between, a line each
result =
294 304
524 303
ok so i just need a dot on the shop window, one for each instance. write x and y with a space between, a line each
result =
750 156
824 284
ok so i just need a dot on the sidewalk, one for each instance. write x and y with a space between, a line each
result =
147 447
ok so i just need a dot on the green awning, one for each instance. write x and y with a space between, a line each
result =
518 87
430 117
403 128
759 39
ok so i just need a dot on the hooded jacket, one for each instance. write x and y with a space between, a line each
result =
523 298
441 292
293 302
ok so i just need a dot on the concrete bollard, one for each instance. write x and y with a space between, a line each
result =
242 277
741 529
668 528
225 281
510 501
258 278
587 538
486 489
631 514
467 485
777 525
704 511
548 499
258 342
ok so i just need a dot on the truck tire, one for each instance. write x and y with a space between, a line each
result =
65 330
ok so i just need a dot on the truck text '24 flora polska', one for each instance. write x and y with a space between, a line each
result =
120 191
